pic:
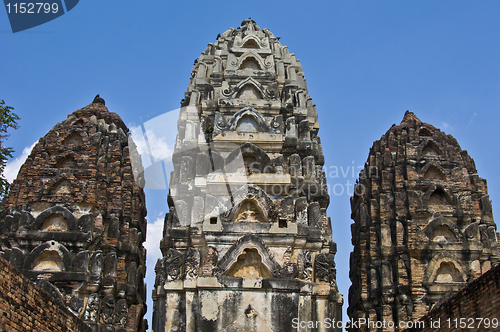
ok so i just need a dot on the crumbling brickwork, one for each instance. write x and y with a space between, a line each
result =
475 307
423 224
247 244
74 222
26 307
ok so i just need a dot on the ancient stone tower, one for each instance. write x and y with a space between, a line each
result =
423 225
247 244
74 220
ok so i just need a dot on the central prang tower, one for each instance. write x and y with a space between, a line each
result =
247 245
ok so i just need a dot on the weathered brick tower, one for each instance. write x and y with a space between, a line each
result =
247 244
74 220
423 225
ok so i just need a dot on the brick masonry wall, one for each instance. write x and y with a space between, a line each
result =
26 307
479 299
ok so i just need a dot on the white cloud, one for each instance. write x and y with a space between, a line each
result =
151 145
446 126
153 236
158 145
13 166
471 120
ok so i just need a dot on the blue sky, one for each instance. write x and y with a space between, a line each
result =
366 63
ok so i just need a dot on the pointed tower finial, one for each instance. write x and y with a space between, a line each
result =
410 117
98 100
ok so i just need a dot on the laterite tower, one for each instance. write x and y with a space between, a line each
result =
74 222
423 225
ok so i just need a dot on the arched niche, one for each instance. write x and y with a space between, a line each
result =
250 63
249 111
236 158
250 211
431 150
251 43
48 260
249 89
201 72
66 162
447 272
49 256
443 234
251 60
247 124
56 218
443 268
249 264
251 193
78 123
55 223
441 229
424 132
250 246
249 92
61 187
73 139
439 198
434 173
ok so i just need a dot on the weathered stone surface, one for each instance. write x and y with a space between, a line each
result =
81 223
247 197
477 301
421 215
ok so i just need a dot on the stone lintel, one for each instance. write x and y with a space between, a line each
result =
227 141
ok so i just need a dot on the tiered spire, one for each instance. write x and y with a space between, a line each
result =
74 220
247 243
423 224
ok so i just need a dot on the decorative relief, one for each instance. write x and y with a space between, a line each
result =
289 270
91 308
107 309
173 264
192 263
324 269
305 265
321 268
120 313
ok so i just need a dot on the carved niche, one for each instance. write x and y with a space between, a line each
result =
249 211
249 264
